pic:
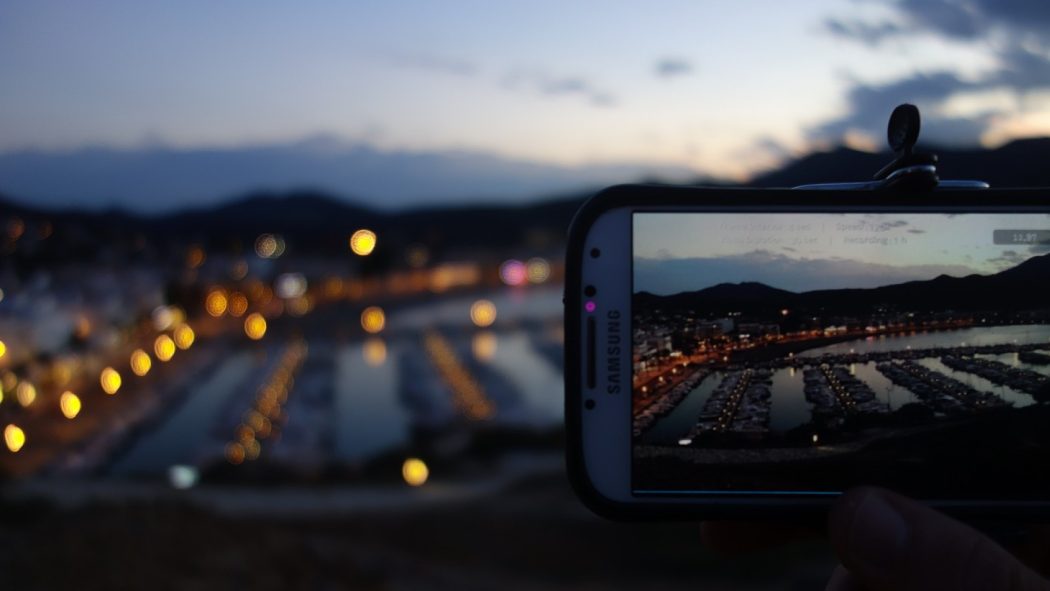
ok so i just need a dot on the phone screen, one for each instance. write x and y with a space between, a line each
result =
802 353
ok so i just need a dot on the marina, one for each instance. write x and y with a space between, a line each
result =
753 401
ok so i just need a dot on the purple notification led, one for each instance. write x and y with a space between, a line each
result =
590 306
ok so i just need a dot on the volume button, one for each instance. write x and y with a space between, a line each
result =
591 353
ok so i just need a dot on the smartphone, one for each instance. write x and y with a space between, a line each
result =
737 353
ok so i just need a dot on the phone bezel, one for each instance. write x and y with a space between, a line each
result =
663 198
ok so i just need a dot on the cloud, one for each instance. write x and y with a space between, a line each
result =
871 104
1016 31
673 67
668 276
545 84
1007 259
870 34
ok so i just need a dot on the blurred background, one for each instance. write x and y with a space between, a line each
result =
280 282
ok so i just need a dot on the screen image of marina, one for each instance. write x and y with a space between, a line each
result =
810 352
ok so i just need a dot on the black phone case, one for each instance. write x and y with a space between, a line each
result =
671 198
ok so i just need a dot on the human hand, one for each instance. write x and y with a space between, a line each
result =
886 541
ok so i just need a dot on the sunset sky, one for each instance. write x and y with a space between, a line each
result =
805 252
724 88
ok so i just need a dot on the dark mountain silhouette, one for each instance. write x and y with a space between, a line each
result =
319 221
164 179
1023 287
314 223
750 295
1020 163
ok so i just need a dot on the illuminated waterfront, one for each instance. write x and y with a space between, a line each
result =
789 407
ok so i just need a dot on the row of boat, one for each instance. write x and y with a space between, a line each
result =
1024 380
942 393
1034 358
739 404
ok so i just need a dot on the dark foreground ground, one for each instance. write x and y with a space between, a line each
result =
533 535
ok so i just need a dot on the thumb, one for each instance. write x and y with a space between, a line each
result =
889 542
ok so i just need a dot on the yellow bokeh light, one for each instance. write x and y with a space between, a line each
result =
252 449
25 393
483 313
484 345
184 336
255 326
374 351
164 348
140 362
363 242
14 437
3 349
110 380
234 453
69 403
238 304
216 303
373 319
538 270
415 472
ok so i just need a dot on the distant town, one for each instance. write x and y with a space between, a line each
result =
741 352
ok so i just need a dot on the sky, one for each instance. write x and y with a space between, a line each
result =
713 88
805 252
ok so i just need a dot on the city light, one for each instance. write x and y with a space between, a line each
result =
467 395
538 270
290 285
163 318
14 437
363 242
69 403
140 362
415 472
164 348
110 381
269 246
484 345
373 319
182 477
299 306
238 304
3 349
234 453
25 393
255 326
195 257
483 313
216 303
374 351
513 272
184 336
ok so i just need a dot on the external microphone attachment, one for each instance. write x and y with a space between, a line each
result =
909 170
